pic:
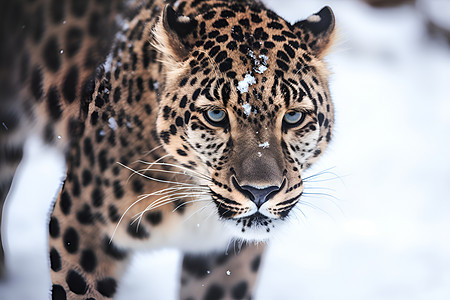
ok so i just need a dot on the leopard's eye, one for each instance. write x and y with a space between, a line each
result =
293 118
216 117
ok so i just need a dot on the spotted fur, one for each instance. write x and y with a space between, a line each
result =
187 124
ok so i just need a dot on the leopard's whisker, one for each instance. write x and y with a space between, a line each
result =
192 201
319 188
172 190
168 198
151 151
137 161
155 179
142 197
320 194
165 203
179 195
200 209
314 207
171 172
323 173
178 166
325 196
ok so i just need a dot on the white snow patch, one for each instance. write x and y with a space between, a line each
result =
176 4
259 154
260 62
112 124
314 19
156 85
184 19
245 83
264 145
261 69
247 108
264 58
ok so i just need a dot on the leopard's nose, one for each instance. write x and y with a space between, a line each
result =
258 195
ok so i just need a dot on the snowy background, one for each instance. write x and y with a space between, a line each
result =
381 232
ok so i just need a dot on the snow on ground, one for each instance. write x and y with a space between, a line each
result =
383 231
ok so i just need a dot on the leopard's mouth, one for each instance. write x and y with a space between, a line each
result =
257 220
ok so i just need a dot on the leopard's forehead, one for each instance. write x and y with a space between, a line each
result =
242 39
261 60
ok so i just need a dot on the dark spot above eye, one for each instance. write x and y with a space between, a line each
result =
282 65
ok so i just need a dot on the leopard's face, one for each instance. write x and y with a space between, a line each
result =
248 109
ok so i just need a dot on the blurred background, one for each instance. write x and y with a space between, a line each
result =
376 222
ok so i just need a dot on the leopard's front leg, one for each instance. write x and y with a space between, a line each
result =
84 263
220 276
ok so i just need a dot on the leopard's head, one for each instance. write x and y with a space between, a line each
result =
246 105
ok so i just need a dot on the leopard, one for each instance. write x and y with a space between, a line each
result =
184 124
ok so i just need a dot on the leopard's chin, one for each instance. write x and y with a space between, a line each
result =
253 228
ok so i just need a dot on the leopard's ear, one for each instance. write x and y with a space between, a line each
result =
317 31
171 34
